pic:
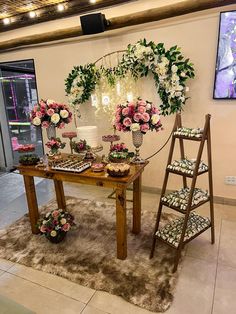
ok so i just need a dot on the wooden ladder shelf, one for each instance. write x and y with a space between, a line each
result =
182 230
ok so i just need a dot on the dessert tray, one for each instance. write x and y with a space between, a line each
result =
72 166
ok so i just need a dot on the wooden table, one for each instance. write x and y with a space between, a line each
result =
91 178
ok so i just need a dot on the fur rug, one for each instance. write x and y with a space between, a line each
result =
88 254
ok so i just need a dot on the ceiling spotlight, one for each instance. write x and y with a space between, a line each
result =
60 7
6 21
32 14
92 1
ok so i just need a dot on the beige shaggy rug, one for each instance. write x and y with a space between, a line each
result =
88 254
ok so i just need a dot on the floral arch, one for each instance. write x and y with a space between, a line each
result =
169 69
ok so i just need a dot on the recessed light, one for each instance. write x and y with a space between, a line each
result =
60 7
32 14
92 1
6 21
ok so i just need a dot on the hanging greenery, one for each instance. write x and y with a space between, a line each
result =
169 68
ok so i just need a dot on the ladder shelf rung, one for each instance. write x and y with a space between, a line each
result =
185 174
192 138
183 211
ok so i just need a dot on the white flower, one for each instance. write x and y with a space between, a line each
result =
50 101
174 68
55 118
182 74
179 87
64 114
47 215
63 221
155 118
175 77
148 106
53 233
36 121
44 222
178 94
165 60
135 127
186 89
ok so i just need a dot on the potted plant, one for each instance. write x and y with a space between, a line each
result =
55 225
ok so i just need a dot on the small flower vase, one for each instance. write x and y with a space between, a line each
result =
51 131
137 137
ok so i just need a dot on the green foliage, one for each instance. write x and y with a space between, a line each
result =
169 68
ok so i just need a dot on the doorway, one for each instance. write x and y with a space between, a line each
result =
18 94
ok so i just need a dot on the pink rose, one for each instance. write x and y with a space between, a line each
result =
142 103
43 229
125 111
55 213
144 127
45 124
117 119
50 112
118 126
39 114
155 110
137 117
141 109
61 125
145 117
66 227
35 109
131 104
127 122
118 110
43 105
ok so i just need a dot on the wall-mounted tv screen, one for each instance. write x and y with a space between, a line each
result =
225 75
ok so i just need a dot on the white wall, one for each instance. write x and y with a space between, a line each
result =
197 35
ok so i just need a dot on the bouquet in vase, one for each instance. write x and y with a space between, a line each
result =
137 116
55 144
49 112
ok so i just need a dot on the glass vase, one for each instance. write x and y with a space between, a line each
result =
137 137
51 131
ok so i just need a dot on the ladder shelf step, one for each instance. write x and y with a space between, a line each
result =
171 232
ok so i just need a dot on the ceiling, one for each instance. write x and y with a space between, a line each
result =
12 7
17 11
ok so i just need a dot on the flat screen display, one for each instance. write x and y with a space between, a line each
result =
225 75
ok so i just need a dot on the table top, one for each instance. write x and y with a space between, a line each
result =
87 176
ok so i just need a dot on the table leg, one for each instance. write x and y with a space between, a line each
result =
121 228
61 202
32 202
137 187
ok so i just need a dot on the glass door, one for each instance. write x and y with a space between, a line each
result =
18 94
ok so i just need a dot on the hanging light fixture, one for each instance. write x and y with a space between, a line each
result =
60 7
32 14
92 1
7 21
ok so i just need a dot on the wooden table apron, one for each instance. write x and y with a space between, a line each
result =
91 178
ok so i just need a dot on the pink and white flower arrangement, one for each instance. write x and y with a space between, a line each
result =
55 144
48 112
137 116
55 222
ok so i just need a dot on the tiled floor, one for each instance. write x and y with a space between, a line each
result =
207 281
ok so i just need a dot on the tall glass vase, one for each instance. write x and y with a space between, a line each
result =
51 131
137 137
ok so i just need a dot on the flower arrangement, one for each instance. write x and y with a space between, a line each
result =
137 116
168 67
26 148
29 159
80 146
48 112
56 224
55 144
120 147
